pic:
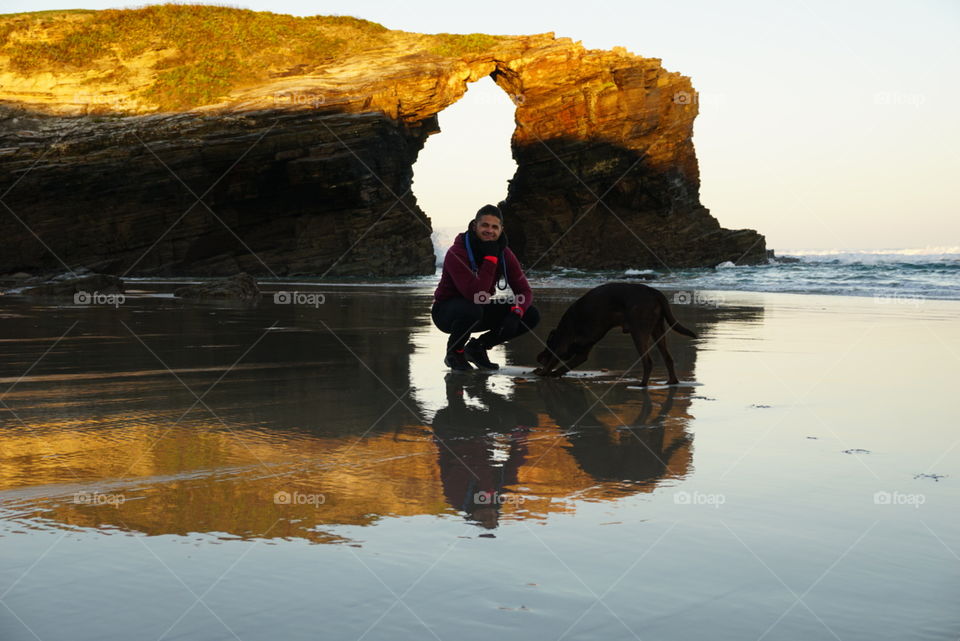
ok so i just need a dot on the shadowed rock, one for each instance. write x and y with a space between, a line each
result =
67 287
306 168
242 287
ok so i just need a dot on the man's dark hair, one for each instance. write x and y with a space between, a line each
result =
489 210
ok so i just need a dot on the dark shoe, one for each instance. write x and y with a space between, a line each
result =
476 353
456 361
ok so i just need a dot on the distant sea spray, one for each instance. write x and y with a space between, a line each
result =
873 256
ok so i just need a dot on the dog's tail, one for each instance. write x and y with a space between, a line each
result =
671 321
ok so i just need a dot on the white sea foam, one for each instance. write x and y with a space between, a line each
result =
913 255
906 275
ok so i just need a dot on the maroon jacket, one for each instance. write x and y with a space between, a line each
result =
458 280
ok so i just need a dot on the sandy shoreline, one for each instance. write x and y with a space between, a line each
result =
817 458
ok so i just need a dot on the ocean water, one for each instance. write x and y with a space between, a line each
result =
908 276
896 276
889 276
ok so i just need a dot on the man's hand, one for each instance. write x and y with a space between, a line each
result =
510 324
488 248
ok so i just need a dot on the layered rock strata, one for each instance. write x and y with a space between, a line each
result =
309 170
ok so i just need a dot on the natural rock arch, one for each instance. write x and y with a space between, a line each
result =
311 174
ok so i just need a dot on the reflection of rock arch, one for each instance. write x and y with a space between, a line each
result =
202 478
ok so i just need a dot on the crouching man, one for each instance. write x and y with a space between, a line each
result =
477 265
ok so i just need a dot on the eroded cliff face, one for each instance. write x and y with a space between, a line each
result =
310 171
607 174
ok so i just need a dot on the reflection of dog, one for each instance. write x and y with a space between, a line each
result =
641 311
649 446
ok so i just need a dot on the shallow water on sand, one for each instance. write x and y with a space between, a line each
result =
291 471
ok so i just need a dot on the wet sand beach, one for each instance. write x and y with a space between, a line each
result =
304 470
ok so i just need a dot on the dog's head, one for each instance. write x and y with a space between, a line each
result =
559 348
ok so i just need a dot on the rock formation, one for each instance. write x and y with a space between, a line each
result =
242 288
306 168
86 286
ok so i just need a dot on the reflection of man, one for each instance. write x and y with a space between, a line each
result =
480 451
472 270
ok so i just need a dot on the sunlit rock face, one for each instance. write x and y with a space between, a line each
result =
308 170
607 175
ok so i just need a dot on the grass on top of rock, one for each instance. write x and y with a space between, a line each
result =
453 45
205 51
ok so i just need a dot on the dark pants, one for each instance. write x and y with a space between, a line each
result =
459 317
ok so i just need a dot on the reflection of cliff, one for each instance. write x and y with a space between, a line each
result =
216 481
345 354
306 164
206 479
307 417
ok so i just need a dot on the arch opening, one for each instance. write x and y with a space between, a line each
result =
468 164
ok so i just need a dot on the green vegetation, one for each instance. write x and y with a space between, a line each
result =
202 52
205 51
454 45
48 12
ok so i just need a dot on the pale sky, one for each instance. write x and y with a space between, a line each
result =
822 124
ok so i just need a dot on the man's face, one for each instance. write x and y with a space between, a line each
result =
488 228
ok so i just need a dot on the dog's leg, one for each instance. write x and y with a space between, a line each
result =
643 321
646 408
642 341
660 336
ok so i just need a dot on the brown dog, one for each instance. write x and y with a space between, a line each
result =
641 311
